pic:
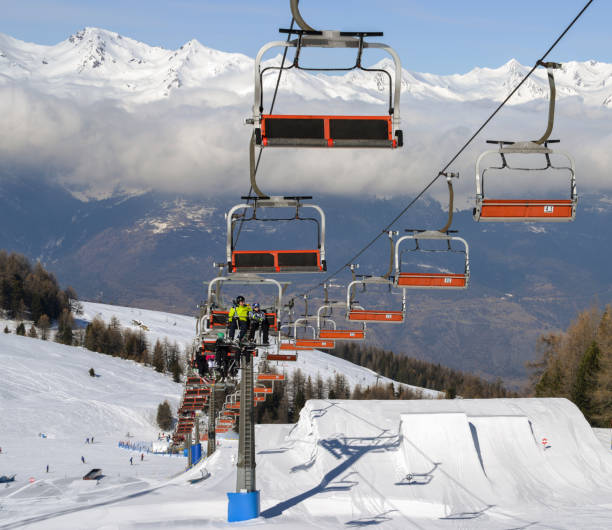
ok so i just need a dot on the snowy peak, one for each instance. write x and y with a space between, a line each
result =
95 64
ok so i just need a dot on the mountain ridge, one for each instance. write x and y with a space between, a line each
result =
112 66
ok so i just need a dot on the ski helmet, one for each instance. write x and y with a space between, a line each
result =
239 299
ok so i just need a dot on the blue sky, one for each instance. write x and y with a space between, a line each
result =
438 36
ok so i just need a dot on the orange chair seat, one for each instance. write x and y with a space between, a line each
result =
430 279
365 315
538 209
342 334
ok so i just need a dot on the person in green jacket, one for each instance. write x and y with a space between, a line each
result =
239 318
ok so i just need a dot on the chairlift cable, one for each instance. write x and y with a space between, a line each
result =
459 152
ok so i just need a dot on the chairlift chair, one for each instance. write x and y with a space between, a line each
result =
432 280
540 210
276 261
303 343
213 297
379 316
334 333
525 210
356 313
279 130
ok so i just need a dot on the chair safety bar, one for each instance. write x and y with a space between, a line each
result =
525 210
275 261
428 280
219 319
326 131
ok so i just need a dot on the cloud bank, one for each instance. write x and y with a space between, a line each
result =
173 145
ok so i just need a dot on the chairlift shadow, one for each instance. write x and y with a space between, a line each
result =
468 515
418 479
372 520
205 474
327 484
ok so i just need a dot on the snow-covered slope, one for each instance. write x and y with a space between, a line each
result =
402 464
181 329
96 64
50 405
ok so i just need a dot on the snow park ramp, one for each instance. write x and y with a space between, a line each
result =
441 464
569 447
511 458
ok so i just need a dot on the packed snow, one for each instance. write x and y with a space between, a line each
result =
432 463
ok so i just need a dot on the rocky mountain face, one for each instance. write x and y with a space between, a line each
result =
155 251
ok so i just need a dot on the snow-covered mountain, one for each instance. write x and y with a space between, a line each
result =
96 64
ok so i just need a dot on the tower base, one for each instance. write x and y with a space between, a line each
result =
242 506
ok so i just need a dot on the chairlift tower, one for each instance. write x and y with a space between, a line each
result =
212 412
245 480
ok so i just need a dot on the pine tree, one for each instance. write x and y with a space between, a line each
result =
585 383
159 361
43 325
20 329
164 416
6 329
174 365
319 392
32 332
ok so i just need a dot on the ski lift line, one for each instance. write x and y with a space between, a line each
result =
459 152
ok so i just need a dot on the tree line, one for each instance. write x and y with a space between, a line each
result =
289 396
577 364
29 292
32 293
112 339
421 373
